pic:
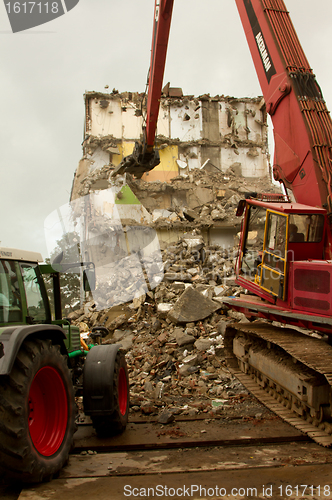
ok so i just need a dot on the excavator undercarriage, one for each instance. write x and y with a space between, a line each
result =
288 371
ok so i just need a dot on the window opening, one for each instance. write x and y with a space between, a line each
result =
273 268
10 296
34 294
253 244
306 228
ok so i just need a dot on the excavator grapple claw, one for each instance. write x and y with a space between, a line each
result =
138 162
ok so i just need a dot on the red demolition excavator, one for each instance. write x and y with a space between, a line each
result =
283 354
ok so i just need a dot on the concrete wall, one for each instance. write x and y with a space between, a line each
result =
191 132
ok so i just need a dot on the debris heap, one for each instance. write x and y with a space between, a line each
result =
204 198
173 335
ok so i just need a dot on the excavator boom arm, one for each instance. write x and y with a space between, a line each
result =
161 28
145 157
302 124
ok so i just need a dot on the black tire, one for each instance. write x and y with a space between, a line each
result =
117 422
37 413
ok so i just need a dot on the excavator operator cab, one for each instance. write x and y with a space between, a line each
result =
273 236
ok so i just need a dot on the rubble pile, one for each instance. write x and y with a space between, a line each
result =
213 150
173 335
204 197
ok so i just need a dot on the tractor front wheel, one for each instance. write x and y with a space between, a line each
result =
116 423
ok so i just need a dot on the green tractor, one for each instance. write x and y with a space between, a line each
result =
43 369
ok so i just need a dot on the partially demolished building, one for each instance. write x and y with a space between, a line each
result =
160 288
212 150
166 308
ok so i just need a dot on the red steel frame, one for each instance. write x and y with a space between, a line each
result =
161 29
302 124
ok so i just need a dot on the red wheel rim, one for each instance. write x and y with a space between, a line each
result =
48 411
122 391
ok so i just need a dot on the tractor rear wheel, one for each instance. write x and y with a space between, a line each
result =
37 408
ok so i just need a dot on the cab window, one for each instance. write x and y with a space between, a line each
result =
253 243
273 269
306 228
34 293
276 234
10 296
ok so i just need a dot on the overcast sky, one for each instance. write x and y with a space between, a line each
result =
46 70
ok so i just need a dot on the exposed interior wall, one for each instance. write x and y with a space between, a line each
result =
192 131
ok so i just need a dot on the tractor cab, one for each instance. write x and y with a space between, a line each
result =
23 298
273 236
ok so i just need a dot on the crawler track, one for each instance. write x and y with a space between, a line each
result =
311 352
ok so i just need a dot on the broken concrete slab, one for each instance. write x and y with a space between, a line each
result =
162 337
192 306
163 309
177 276
127 342
238 316
117 322
166 417
183 338
177 285
221 327
138 301
203 344
118 335
160 213
189 214
220 290
190 360
193 241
